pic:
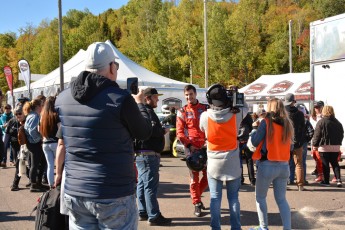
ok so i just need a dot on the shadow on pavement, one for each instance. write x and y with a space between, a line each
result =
9 217
170 190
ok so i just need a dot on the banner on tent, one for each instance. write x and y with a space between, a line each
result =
9 77
24 68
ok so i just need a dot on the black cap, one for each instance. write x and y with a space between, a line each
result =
151 91
319 104
289 98
217 96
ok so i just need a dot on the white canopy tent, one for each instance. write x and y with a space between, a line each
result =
50 84
269 86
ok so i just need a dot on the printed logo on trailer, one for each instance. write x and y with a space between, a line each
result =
280 87
304 88
255 88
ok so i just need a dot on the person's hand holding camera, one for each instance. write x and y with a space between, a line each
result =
139 98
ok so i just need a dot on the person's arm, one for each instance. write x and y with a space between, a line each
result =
317 135
180 130
136 118
59 161
31 126
260 134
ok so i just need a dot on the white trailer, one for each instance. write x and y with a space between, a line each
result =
327 63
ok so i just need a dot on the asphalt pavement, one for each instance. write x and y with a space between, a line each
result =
315 208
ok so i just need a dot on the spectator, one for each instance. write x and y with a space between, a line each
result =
189 133
273 140
308 134
48 127
221 127
315 117
12 133
99 121
243 136
329 134
296 160
147 162
4 119
32 112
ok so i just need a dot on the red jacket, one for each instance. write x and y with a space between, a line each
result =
187 125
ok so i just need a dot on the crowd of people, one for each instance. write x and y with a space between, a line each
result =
105 145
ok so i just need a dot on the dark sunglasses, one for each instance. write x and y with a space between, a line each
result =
7 108
17 114
116 63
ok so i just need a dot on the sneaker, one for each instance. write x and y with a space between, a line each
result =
314 173
257 228
197 211
202 206
323 183
339 184
28 185
318 179
3 165
143 217
14 188
36 188
291 183
334 180
159 221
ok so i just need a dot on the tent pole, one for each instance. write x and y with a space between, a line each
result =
60 48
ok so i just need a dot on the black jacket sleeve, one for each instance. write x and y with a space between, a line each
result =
317 135
136 118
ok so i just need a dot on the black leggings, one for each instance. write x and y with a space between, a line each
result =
38 162
330 157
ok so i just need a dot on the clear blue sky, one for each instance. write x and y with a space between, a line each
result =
16 14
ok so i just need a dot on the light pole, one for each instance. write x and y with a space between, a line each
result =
205 43
60 48
290 46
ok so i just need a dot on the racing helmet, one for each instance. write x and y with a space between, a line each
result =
165 109
197 160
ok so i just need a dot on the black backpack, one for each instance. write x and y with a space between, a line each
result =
48 214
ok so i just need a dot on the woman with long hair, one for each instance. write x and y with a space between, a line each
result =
48 128
273 140
32 112
327 139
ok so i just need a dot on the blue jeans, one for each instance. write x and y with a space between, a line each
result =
49 150
86 213
304 163
276 173
148 180
232 188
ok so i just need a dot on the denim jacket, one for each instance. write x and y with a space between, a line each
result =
31 128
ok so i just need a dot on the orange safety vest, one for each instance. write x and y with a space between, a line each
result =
276 149
222 136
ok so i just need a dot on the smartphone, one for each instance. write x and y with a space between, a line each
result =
132 85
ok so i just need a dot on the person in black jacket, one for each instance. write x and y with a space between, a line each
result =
99 121
243 136
327 139
147 162
296 158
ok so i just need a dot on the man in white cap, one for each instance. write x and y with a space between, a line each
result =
98 121
296 159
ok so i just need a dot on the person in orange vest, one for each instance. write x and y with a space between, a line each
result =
273 139
221 124
188 132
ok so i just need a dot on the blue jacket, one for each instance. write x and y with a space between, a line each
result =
99 121
31 128
4 118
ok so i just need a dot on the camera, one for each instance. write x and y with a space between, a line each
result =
218 96
235 98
